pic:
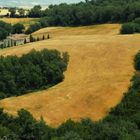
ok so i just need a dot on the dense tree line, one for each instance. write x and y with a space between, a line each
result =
89 13
32 71
84 13
93 12
131 27
122 123
34 27
5 29
15 12
35 12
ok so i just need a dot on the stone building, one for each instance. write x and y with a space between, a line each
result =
15 40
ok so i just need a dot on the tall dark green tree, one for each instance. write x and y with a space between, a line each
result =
12 12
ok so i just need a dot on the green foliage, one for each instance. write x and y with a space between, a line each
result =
25 41
128 28
131 27
93 12
37 70
12 12
137 20
71 136
31 38
88 13
4 131
48 36
43 38
3 33
33 28
30 72
5 30
18 28
21 12
35 11
137 61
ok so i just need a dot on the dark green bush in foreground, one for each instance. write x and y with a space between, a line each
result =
32 71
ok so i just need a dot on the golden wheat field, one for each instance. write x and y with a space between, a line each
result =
25 21
99 72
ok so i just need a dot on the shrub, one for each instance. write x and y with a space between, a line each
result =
18 28
137 61
3 33
32 71
137 20
5 30
33 28
31 38
128 28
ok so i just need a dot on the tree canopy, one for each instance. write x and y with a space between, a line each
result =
89 12
5 29
32 71
18 28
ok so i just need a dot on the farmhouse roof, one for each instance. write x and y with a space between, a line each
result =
17 37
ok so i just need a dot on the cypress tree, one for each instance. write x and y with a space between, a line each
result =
43 38
8 44
25 41
48 36
31 38
38 39
15 44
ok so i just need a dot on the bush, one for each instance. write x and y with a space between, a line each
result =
137 20
33 28
137 61
128 28
33 71
131 27
18 28
6 26
5 30
3 33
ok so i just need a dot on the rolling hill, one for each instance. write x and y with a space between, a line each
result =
99 72
25 21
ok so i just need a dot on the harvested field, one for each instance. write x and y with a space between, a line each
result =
99 72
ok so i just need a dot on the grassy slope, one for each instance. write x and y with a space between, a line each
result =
98 74
26 21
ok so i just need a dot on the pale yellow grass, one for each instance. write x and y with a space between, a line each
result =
25 21
99 72
15 20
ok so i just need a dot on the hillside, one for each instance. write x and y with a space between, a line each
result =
98 74
25 21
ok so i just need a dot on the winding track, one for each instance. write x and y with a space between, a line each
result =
98 74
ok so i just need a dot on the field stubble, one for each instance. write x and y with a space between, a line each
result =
99 72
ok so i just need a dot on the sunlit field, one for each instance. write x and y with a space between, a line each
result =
99 72
25 21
